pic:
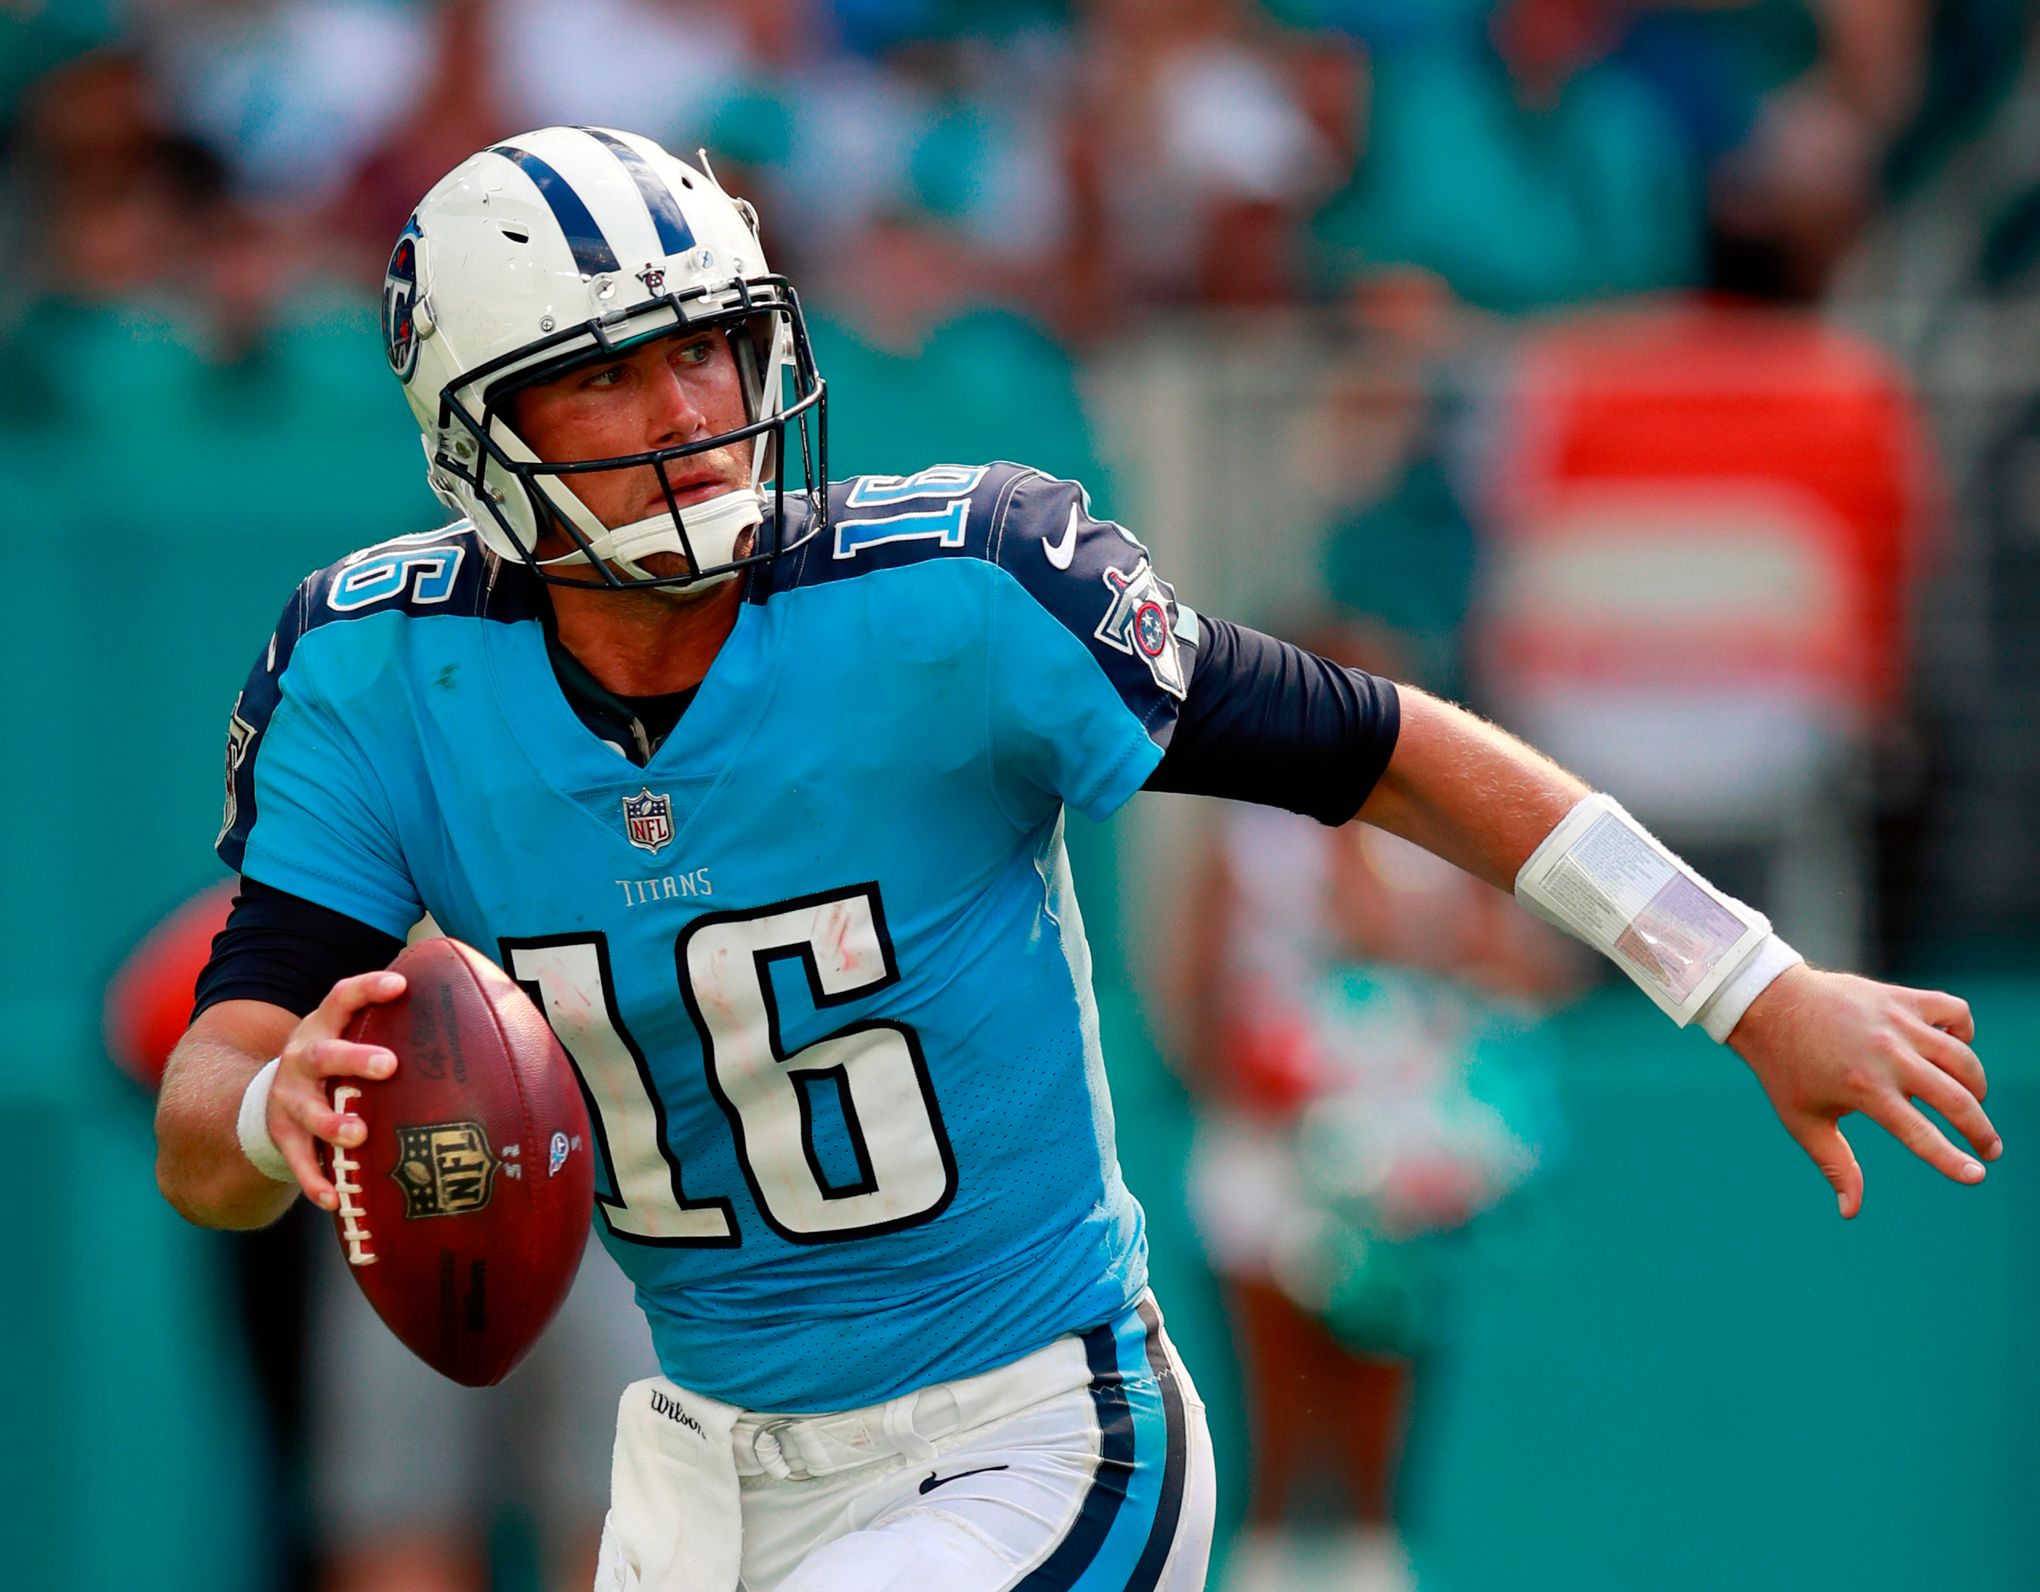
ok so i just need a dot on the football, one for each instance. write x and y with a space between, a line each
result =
464 1212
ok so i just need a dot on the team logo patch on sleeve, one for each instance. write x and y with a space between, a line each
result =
1139 624
648 820
446 1169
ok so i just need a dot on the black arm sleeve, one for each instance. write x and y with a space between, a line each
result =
288 951
1267 722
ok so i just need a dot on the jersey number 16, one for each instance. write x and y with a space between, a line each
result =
904 1172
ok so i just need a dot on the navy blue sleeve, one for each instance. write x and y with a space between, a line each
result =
1269 723
288 951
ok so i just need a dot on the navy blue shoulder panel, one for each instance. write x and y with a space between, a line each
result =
890 521
427 574
1097 580
1092 575
442 572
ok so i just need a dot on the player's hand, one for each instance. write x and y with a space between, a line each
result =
300 1109
1826 1044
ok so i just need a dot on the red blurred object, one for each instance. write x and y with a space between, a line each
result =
148 1001
464 1213
1698 494
1275 1069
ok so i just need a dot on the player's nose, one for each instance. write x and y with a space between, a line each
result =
675 409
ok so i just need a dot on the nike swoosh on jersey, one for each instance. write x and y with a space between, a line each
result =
935 1481
1064 547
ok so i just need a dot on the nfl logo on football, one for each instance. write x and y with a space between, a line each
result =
648 820
445 1169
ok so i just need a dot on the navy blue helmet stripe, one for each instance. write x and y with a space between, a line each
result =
592 253
1064 1567
1154 1557
675 235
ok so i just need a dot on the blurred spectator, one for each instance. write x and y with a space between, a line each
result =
458 106
1398 543
1507 152
1823 89
1193 155
1805 113
960 127
132 223
121 202
290 94
1374 1096
143 242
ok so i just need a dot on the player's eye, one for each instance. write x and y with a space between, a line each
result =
607 376
697 351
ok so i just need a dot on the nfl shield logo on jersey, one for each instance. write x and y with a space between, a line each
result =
648 819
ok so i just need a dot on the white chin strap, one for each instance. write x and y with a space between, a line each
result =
712 525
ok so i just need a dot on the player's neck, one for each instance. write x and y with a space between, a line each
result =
640 644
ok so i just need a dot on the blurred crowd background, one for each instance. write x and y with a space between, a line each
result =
1660 376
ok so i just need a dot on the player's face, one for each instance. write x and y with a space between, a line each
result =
670 391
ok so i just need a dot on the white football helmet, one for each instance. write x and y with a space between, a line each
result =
564 246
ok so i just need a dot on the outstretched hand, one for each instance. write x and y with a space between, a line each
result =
1826 1044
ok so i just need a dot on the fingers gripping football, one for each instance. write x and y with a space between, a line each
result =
301 1112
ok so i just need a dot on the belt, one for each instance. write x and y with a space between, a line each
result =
795 1447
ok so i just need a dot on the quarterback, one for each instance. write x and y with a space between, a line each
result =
755 782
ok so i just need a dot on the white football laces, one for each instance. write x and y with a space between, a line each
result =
352 1229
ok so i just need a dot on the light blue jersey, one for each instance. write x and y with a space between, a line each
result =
818 963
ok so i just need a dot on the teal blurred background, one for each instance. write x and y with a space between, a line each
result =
1287 286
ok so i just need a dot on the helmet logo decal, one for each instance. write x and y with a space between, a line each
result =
653 278
399 296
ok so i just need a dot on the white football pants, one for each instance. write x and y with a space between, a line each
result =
1084 1467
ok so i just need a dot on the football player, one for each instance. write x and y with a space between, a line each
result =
755 782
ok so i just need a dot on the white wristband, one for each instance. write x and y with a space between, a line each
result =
253 1127
1604 878
1726 1007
